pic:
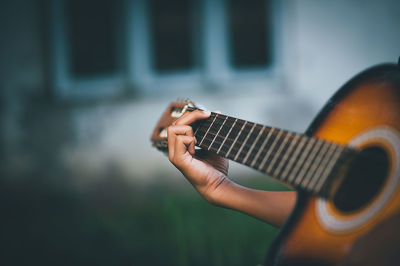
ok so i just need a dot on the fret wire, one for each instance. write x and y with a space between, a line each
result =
227 135
292 160
304 172
253 145
208 129
220 137
317 155
210 133
262 147
234 148
270 149
286 155
218 131
322 165
220 143
241 145
199 134
276 155
317 162
197 129
220 119
215 122
253 153
244 142
212 149
237 136
299 163
247 144
256 161
328 169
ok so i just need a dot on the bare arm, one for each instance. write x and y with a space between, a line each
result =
272 207
208 174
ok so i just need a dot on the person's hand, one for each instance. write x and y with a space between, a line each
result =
206 171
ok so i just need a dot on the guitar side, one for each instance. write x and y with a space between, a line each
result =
317 232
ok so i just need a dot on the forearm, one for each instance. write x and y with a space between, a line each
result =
272 207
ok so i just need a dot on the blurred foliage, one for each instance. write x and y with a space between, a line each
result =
115 223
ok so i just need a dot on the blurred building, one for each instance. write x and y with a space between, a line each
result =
88 79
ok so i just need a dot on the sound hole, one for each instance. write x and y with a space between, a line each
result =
365 178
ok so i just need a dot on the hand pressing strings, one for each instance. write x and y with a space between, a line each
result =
207 172
204 170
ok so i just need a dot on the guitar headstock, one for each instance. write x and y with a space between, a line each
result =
173 112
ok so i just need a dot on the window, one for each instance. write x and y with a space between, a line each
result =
249 33
172 30
93 39
87 48
104 48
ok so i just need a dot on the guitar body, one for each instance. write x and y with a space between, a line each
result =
365 114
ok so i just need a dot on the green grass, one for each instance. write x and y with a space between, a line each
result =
120 224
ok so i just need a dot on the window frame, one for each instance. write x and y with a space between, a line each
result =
65 84
212 63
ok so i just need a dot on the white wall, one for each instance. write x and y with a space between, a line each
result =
334 40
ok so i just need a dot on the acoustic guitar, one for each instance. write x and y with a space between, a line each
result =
346 167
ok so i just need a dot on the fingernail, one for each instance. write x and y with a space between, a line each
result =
206 112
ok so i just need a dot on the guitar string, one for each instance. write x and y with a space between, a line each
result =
286 157
303 138
249 143
279 157
325 147
282 144
320 170
321 161
261 128
200 132
291 138
308 162
257 127
222 117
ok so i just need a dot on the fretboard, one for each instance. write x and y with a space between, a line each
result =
295 159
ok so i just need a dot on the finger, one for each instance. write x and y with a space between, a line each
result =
193 117
171 142
182 116
172 132
181 130
183 144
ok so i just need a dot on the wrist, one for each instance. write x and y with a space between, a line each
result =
217 191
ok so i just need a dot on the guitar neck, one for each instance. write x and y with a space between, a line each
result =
306 163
